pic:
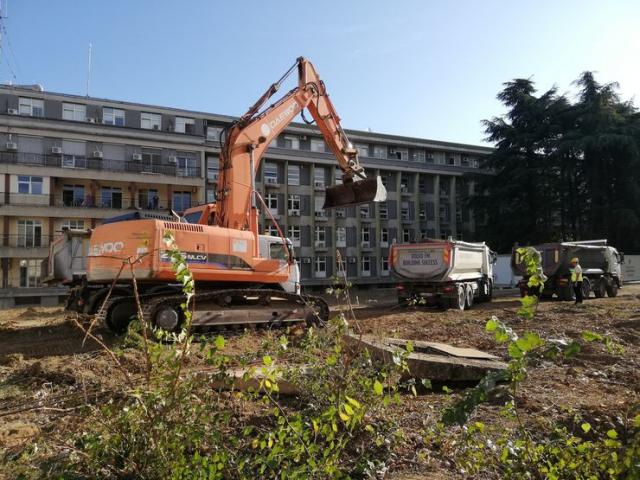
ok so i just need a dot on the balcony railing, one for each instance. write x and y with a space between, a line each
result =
29 240
87 201
104 164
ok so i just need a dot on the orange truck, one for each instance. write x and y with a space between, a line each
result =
236 282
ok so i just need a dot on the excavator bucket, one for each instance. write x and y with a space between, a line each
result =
353 193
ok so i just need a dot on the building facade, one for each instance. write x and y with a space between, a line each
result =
69 161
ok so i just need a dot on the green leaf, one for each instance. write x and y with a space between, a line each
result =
586 427
612 434
378 388
636 421
348 409
219 342
409 346
426 383
267 360
591 336
353 401
492 325
528 342
572 349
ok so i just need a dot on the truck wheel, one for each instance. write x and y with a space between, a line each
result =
469 297
612 288
586 288
565 293
600 288
460 299
119 317
490 296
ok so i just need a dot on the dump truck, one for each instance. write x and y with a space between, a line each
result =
601 269
446 273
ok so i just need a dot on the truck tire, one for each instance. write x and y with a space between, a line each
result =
486 291
586 288
460 300
612 287
468 303
565 293
600 288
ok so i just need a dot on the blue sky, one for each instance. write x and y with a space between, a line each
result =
418 68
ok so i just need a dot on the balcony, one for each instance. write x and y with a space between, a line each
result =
25 246
102 164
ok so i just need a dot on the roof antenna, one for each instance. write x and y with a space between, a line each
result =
89 69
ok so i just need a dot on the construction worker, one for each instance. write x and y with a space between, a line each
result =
576 279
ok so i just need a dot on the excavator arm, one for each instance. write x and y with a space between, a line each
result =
249 137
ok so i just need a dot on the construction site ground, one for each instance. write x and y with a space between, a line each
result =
47 370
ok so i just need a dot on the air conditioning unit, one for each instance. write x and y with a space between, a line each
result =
306 260
173 159
320 244
384 244
404 189
318 183
97 154
12 146
136 156
156 127
294 213
271 180
304 137
340 214
352 260
91 120
320 214
365 244
56 150
12 111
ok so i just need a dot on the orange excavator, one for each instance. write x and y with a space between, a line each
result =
241 277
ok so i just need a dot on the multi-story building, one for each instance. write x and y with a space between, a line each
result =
69 161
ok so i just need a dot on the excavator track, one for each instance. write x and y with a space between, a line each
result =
227 308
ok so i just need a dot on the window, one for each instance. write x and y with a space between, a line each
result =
423 234
399 153
384 237
320 270
384 211
31 185
363 149
212 170
380 151
113 116
475 163
404 211
318 145
429 157
150 121
74 111
365 211
180 201
148 199
293 175
458 214
464 161
271 199
186 165
406 235
111 197
185 125
365 266
151 159
451 159
291 141
445 189
211 196
293 233
29 233
30 273
73 154
423 213
319 175
293 205
341 237
338 176
365 237
72 224
319 211
73 195
384 266
444 213
419 156
213 133
32 107
270 173
320 237
272 230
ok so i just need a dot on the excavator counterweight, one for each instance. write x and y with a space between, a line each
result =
353 193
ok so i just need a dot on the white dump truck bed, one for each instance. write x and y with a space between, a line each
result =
438 261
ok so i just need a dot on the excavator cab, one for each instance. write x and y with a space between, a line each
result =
354 192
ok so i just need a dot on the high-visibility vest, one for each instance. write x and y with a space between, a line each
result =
576 273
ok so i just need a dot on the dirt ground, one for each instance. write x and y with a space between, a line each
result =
48 369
